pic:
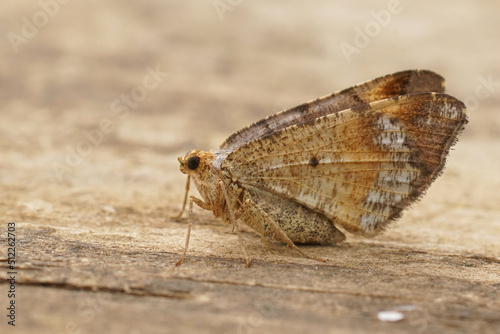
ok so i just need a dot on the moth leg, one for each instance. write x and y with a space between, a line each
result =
232 217
257 227
202 205
185 198
247 259
220 201
280 235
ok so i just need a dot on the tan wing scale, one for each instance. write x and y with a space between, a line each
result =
359 167
396 84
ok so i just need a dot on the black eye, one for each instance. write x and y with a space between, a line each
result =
193 163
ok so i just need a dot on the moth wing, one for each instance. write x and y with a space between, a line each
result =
400 83
289 216
360 167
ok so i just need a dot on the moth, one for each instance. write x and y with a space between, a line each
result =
351 161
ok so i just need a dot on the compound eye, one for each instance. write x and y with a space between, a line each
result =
193 163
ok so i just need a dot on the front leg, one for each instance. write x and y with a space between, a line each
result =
202 204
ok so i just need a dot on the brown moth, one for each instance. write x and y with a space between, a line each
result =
350 162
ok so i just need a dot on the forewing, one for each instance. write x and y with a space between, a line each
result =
401 83
360 167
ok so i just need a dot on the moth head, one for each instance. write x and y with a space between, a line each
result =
194 161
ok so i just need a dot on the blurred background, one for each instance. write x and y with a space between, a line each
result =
224 64
99 98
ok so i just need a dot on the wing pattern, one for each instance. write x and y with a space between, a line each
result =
396 84
360 167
